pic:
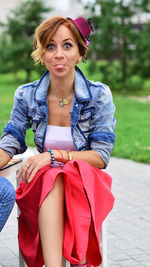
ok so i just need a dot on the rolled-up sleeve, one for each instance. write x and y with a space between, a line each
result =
103 124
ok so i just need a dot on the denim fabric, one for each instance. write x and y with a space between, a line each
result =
92 117
7 200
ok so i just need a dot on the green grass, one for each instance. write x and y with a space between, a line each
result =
133 122
133 129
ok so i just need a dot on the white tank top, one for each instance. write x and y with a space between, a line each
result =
58 137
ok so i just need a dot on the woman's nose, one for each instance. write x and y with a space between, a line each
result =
59 53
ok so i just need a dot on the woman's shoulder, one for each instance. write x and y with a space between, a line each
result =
25 89
28 89
30 85
97 84
99 89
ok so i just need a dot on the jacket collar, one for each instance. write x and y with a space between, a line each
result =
82 91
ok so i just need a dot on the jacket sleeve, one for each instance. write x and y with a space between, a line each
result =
103 123
13 137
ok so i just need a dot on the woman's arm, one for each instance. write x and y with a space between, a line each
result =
4 158
90 156
34 163
13 137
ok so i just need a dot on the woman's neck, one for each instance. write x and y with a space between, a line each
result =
61 87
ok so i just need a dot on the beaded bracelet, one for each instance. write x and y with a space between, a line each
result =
52 155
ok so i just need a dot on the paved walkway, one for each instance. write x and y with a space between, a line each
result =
128 225
129 222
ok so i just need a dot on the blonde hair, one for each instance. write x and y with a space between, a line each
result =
45 32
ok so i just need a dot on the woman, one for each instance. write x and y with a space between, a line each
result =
7 200
63 196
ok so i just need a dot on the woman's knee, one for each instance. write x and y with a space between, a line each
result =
59 184
57 191
59 180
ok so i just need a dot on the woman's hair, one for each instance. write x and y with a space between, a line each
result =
46 31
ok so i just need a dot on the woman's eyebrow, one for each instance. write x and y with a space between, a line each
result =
67 39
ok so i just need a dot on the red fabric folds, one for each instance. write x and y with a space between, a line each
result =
88 200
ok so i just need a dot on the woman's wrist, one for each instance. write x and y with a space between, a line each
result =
70 155
51 155
62 155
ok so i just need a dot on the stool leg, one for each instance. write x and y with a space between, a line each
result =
21 260
103 239
65 263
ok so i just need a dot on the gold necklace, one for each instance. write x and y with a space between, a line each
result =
63 101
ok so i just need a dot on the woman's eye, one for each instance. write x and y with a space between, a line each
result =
67 45
50 46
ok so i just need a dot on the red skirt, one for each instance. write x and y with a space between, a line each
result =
88 200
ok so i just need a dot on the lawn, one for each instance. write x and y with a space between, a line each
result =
133 129
133 122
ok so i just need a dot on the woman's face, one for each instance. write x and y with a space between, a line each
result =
62 53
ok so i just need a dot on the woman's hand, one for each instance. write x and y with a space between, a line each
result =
32 165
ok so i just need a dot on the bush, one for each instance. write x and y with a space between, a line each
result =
115 76
91 70
146 87
135 83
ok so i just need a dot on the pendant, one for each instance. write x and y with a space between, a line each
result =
63 101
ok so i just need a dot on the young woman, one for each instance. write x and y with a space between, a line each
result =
64 196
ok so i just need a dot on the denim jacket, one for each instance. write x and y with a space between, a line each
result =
92 117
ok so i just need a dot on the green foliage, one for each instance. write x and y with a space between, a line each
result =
110 73
113 33
142 64
134 83
118 37
16 41
146 86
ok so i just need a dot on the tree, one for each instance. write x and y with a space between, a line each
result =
102 42
16 41
142 51
114 33
125 35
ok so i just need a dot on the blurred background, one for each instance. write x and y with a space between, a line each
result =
119 56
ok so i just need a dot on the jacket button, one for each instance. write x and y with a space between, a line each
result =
82 117
76 105
76 138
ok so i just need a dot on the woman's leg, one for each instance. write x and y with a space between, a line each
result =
7 200
51 224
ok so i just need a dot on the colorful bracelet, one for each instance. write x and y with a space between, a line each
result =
52 155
